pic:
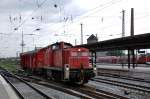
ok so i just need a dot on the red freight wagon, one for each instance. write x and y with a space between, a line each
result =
28 59
60 61
40 54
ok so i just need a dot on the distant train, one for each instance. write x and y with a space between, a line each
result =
141 59
60 61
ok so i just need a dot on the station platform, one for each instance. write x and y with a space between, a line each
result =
138 68
6 92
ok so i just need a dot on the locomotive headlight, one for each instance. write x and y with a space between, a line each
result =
66 72
67 68
79 50
94 68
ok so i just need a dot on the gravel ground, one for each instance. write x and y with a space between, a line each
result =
139 72
132 94
126 81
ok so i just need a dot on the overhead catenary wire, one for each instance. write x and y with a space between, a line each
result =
83 17
66 24
96 16
40 5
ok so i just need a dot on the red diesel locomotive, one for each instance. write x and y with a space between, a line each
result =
60 61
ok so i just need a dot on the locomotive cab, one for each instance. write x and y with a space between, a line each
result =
77 65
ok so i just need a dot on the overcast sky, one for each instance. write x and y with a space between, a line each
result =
44 22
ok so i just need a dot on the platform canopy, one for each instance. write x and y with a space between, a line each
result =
141 41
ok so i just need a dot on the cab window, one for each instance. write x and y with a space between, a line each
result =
84 54
74 54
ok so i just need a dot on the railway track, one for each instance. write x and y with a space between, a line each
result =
88 91
83 92
101 94
14 80
53 84
124 77
123 84
24 89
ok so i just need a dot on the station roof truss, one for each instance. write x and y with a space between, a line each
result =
141 41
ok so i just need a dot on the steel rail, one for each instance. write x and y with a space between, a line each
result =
35 89
97 93
121 84
124 77
14 88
